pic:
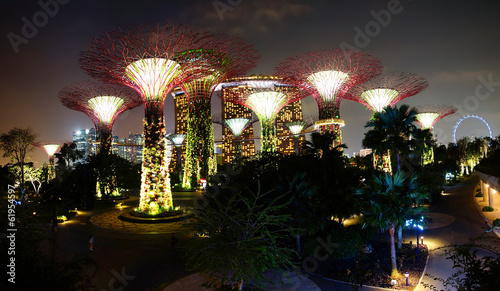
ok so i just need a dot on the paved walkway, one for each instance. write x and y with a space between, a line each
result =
488 217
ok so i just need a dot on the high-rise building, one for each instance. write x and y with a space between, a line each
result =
181 110
85 140
289 113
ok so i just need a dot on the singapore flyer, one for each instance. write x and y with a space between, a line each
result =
471 125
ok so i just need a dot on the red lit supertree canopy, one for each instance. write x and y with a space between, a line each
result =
50 148
148 59
429 114
327 75
102 103
225 57
386 90
265 96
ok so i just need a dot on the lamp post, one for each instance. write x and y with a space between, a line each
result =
422 240
406 275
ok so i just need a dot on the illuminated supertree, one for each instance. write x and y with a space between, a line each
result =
429 114
382 91
50 149
265 96
102 103
327 75
226 57
237 126
177 139
296 128
146 58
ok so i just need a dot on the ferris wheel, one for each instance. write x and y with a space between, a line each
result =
469 124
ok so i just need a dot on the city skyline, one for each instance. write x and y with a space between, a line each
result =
452 44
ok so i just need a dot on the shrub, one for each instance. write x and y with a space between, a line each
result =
478 190
479 194
496 222
488 209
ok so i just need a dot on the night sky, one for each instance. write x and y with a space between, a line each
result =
453 44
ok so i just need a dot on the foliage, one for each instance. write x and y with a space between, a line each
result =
479 194
67 156
477 265
17 144
238 236
488 209
490 164
391 130
389 201
496 222
39 261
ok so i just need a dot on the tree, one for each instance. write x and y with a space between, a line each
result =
68 155
423 143
237 236
392 128
17 144
388 203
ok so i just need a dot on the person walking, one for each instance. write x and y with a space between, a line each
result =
91 243
173 242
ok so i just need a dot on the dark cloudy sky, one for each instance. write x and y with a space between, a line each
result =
453 44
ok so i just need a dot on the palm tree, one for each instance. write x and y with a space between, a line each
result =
392 128
388 203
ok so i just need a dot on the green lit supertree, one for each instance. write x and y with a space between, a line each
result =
226 57
147 58
265 96
102 103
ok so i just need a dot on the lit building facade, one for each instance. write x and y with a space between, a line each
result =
289 113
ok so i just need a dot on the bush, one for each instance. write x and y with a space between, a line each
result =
479 194
478 190
496 222
488 209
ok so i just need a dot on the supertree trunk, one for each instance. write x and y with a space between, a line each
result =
237 148
200 151
51 169
330 112
268 136
105 141
155 185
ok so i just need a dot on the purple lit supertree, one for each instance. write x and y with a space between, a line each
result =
226 57
386 90
102 103
50 149
147 58
429 114
327 75
382 91
265 96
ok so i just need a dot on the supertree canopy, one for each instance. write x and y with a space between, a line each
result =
296 128
148 59
265 96
50 149
102 103
429 114
386 90
327 75
237 126
225 57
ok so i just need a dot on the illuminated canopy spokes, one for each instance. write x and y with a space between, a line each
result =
378 99
427 120
328 83
153 77
237 125
429 114
51 149
296 127
106 107
266 104
177 138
